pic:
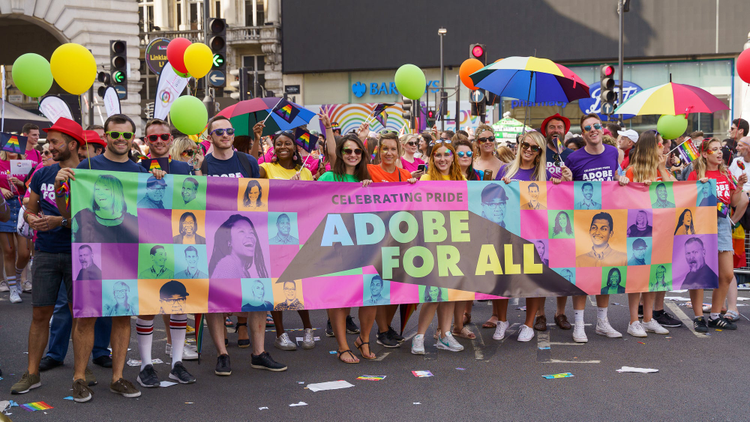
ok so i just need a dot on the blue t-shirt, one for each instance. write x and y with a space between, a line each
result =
43 184
521 174
602 167
180 167
100 162
553 169
231 167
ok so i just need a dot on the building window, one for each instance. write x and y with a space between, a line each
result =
255 12
145 15
255 66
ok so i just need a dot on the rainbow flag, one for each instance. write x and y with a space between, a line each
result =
688 151
305 139
286 110
152 164
380 114
13 143
37 405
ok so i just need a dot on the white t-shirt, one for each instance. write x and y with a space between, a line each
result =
737 172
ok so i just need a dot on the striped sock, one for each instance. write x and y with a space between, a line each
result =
177 324
11 281
18 273
145 330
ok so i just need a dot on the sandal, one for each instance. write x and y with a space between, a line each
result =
269 320
242 343
467 318
342 352
228 322
361 345
732 316
491 323
465 332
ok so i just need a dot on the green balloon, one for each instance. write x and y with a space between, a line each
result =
671 127
32 75
410 81
188 115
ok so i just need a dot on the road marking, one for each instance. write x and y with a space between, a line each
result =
381 357
543 351
686 320
573 361
562 343
478 345
542 340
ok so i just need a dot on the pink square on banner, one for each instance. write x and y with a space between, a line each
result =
534 225
346 290
562 253
404 293
483 296
281 257
614 196
589 279
560 197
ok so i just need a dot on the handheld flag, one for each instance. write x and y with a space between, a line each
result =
305 139
13 143
687 151
379 113
285 110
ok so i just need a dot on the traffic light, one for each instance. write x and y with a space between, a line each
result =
479 109
106 80
240 83
607 94
431 119
406 106
218 43
478 52
118 61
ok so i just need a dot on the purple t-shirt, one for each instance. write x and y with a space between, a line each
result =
602 167
521 174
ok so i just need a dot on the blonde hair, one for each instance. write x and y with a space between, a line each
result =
701 164
4 156
455 170
540 163
181 144
644 160
606 139
406 138
505 154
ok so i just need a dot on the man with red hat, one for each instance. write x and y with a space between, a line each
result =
52 258
93 145
554 129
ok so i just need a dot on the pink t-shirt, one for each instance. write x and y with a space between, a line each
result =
5 174
34 156
410 167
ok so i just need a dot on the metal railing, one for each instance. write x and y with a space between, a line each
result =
234 34
244 33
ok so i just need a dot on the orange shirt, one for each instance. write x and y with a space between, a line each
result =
378 175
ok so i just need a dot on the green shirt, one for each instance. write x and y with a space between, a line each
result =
330 176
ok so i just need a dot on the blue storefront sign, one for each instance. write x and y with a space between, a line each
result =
594 103
359 89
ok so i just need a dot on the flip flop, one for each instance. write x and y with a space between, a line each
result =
733 316
490 323
341 353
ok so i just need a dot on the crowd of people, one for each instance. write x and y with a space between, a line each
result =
552 153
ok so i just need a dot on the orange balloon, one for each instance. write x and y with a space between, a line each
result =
467 68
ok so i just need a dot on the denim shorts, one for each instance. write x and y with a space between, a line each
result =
49 272
724 230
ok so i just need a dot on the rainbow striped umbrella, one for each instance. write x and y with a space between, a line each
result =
532 79
672 99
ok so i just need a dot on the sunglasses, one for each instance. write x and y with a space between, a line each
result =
526 145
288 133
46 153
587 128
442 141
387 131
154 138
349 151
188 152
220 132
463 154
411 143
125 135
483 140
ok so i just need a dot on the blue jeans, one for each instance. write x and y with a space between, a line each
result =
62 323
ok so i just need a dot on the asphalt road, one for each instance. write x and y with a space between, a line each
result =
700 377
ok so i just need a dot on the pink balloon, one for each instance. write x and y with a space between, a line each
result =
176 54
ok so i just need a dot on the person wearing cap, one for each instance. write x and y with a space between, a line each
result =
554 129
154 194
159 139
119 133
625 143
639 253
494 199
53 262
92 146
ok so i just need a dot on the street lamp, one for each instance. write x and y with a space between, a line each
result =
441 33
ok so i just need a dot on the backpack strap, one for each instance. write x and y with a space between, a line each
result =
244 162
204 165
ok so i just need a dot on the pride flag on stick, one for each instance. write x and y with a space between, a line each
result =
305 139
687 151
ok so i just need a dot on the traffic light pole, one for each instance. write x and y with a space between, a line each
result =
458 103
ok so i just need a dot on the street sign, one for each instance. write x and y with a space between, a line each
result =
608 109
218 60
477 96
292 89
121 91
156 54
217 78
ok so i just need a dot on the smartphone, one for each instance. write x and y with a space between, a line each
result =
421 168
487 175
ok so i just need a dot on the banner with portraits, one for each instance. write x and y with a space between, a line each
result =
207 245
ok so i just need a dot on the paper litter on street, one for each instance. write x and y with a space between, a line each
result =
330 385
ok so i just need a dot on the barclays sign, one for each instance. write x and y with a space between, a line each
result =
359 89
594 104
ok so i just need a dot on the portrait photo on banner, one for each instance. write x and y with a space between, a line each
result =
613 280
189 192
639 250
660 279
498 202
587 195
257 295
706 193
120 298
376 290
282 228
695 262
190 261
640 223
661 195
601 238
288 295
560 224
175 296
429 294
567 273
253 195
154 193
533 195
237 245
107 212
87 261
188 227
155 261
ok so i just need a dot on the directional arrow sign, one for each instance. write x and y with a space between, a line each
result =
217 78
218 60
118 77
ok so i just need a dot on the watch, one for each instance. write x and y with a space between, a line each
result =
65 222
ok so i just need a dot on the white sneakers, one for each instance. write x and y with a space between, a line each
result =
308 341
14 296
4 286
189 352
635 329
26 285
500 329
654 327
449 343
526 333
284 343
604 329
417 345
579 334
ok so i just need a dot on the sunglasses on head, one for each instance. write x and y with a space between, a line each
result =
387 131
483 140
288 133
526 145
125 135
463 154
163 136
220 132
188 152
587 128
349 151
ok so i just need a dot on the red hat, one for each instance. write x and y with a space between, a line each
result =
555 116
91 137
68 127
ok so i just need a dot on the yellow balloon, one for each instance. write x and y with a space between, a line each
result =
73 67
198 60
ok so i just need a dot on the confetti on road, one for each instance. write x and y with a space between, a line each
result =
371 377
556 376
422 374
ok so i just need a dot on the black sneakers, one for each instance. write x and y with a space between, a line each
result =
223 366
329 329
394 335
699 325
265 361
351 327
48 363
148 378
665 319
721 323
181 375
387 341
